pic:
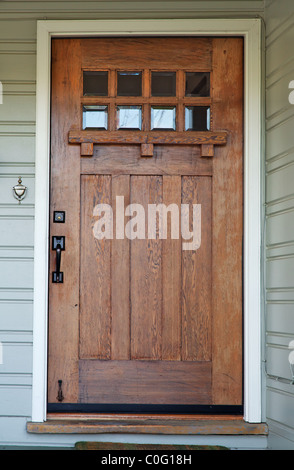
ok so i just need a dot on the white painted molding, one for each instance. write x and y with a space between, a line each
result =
250 29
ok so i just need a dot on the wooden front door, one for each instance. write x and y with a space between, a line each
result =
146 225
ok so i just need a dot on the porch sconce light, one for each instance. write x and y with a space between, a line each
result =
19 190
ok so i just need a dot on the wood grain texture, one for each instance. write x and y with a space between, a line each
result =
86 149
95 283
147 150
171 274
182 425
137 53
196 276
228 222
207 150
154 381
143 320
167 160
141 137
65 173
120 271
146 273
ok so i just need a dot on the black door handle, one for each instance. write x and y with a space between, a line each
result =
58 244
58 260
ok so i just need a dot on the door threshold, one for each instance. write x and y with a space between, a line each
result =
146 424
138 417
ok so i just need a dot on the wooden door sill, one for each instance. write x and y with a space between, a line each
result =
146 424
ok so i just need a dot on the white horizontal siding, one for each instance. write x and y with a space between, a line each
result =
18 66
128 9
17 158
17 147
16 315
279 320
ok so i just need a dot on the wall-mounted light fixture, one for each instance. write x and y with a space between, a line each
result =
19 190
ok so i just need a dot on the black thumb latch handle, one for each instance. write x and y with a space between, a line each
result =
58 260
58 244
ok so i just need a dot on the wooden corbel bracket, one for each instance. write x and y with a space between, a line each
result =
207 140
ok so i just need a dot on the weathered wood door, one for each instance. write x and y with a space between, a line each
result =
146 188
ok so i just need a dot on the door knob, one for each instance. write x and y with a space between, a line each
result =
58 245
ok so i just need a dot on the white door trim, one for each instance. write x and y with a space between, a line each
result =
250 29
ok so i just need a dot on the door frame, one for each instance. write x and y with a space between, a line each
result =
251 31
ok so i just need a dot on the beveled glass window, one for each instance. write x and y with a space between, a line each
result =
163 84
163 117
197 118
95 83
129 83
197 84
95 117
129 117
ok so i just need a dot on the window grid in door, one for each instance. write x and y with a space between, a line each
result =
153 93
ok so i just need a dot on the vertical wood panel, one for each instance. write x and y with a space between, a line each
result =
95 308
65 173
196 276
171 276
146 277
120 273
228 221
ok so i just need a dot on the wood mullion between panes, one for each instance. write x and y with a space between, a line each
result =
145 117
146 84
180 91
112 117
180 117
111 104
112 83
146 93
180 84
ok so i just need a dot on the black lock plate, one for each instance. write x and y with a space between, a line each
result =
59 217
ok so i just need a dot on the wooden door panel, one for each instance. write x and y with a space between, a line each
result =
196 280
141 52
137 382
146 277
150 289
169 160
65 173
95 273
145 321
171 278
120 274
227 241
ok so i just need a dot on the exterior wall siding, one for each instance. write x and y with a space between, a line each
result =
279 222
18 24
